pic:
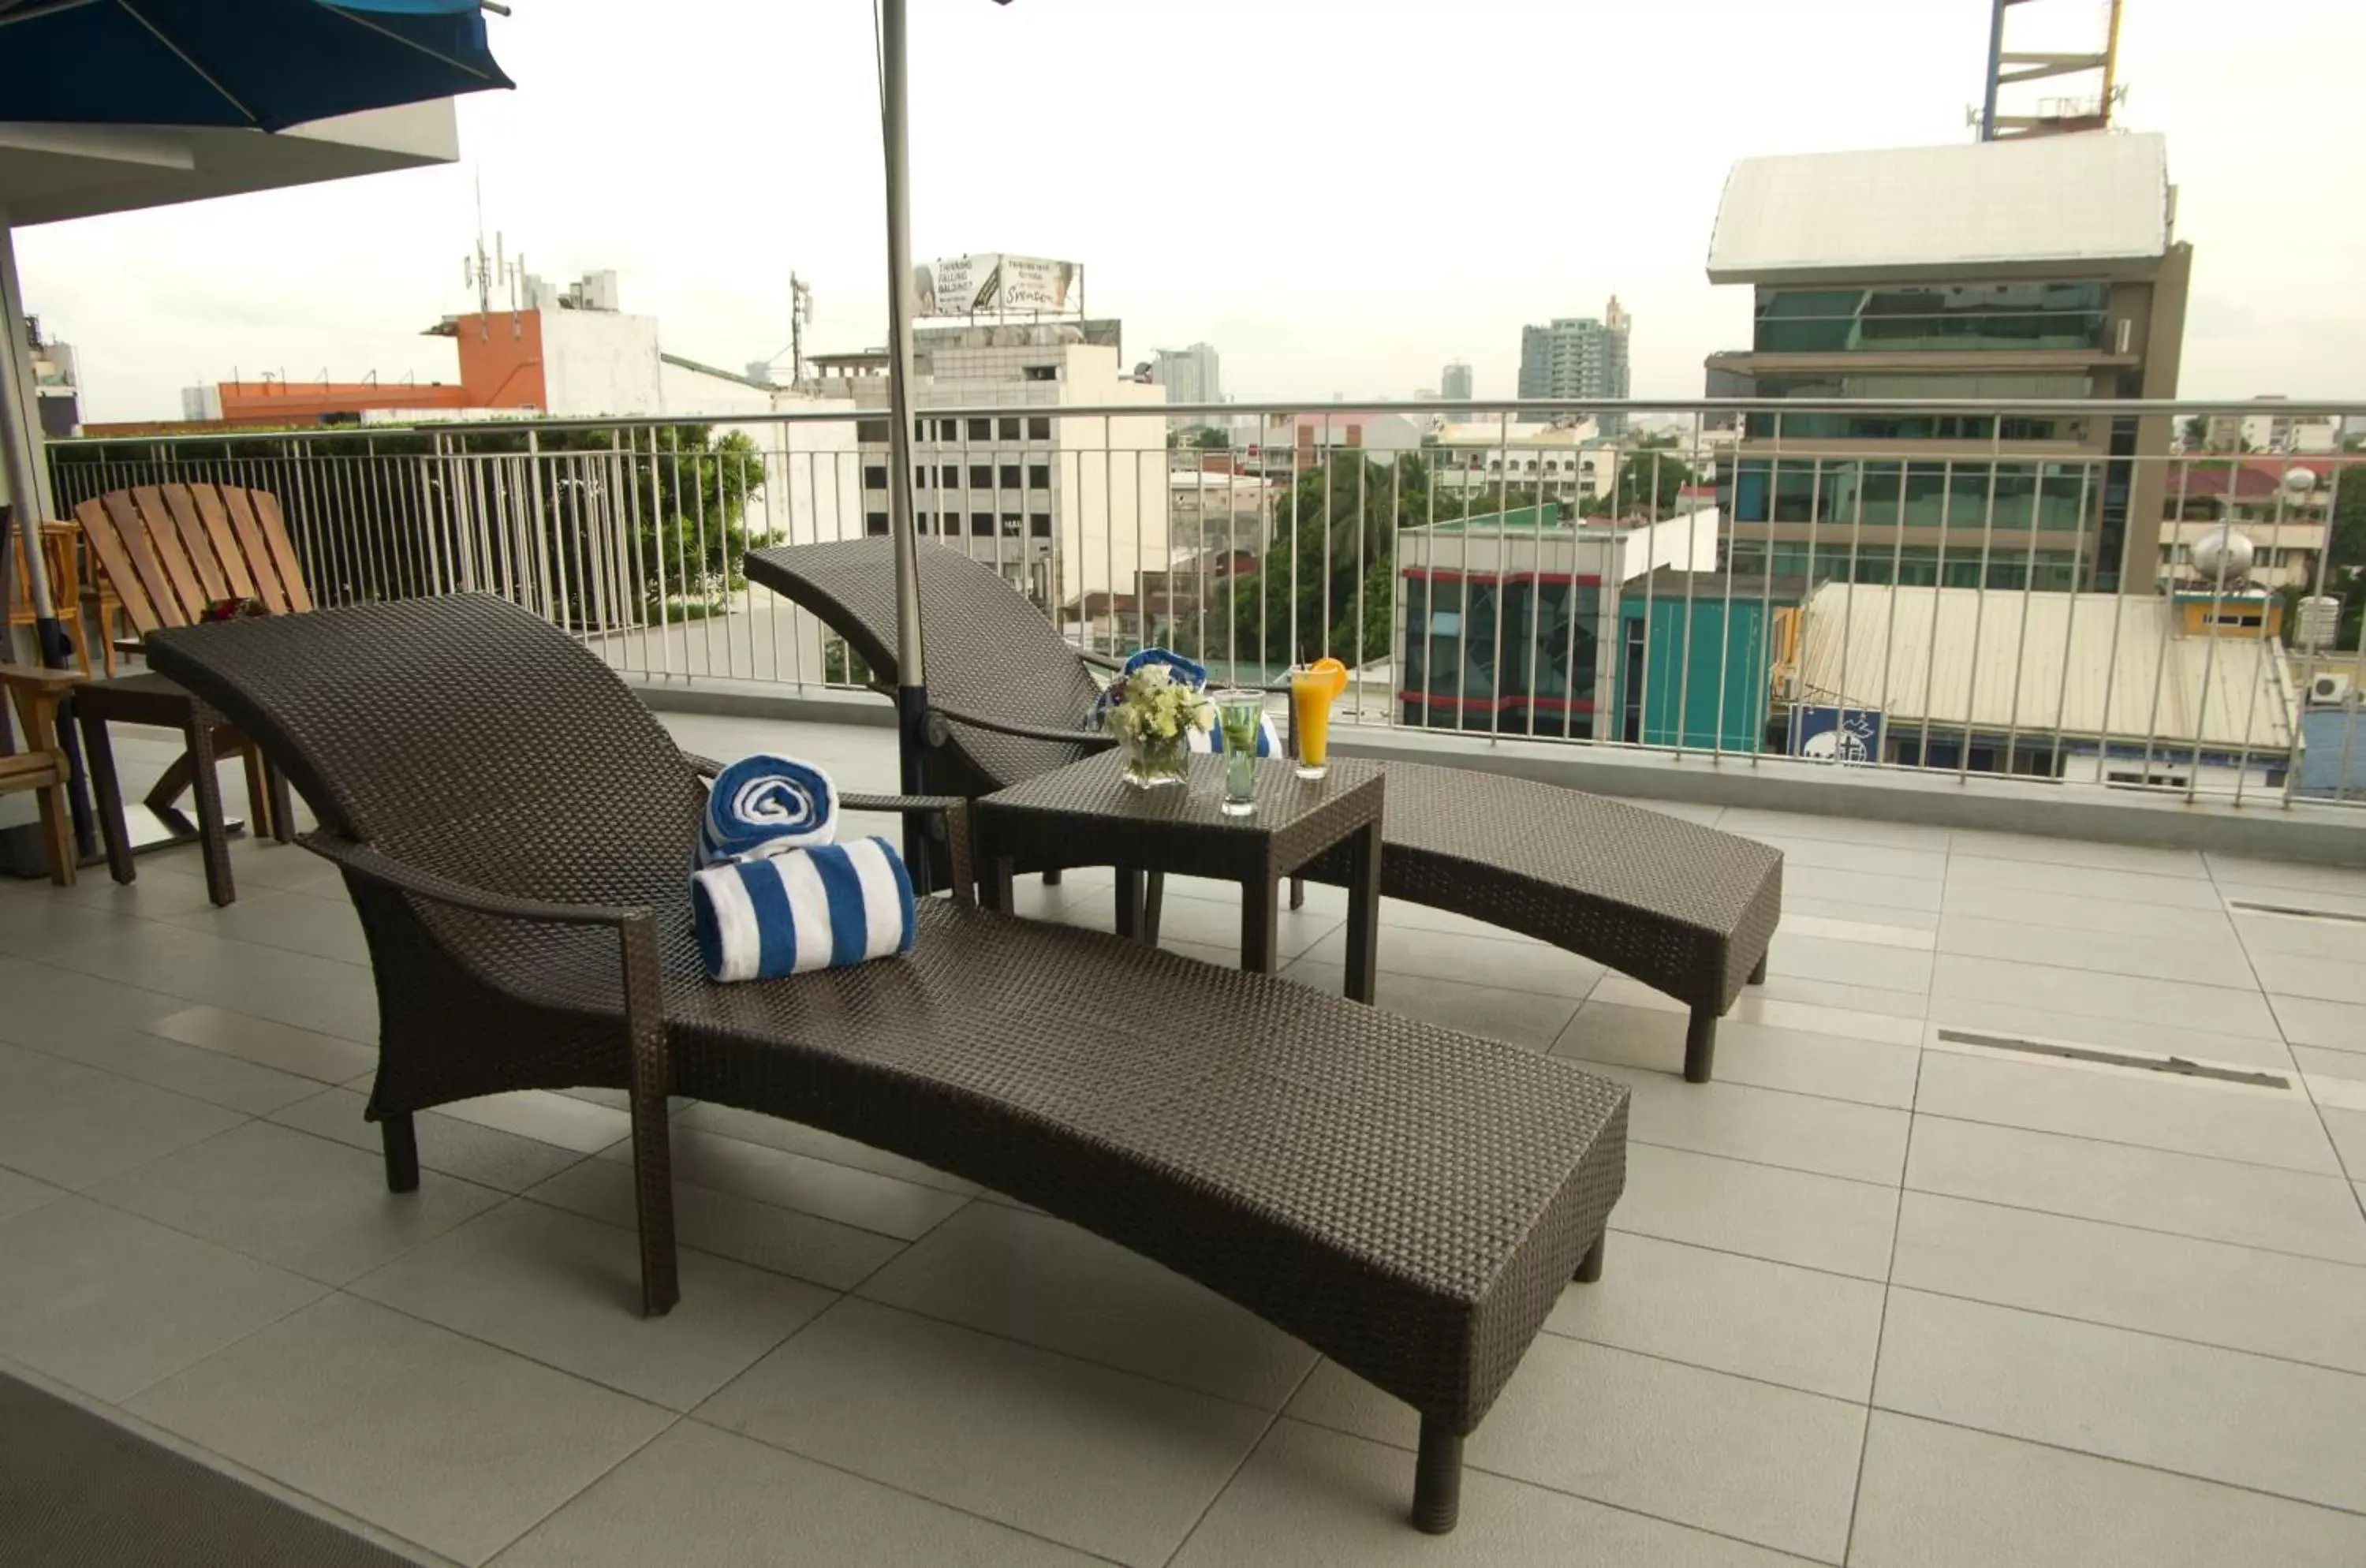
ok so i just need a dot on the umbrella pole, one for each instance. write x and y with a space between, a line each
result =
911 674
29 507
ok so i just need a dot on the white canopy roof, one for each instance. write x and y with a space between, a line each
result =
2091 664
2090 198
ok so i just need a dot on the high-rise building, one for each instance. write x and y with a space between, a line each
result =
1954 272
1578 356
1454 383
1189 376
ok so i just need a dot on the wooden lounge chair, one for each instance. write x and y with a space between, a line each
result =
1685 909
516 832
35 695
169 554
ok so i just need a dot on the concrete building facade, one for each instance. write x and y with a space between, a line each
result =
1576 357
2037 269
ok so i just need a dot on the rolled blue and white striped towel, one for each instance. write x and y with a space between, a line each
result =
765 805
789 914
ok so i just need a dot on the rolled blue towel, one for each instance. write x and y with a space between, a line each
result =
764 804
788 914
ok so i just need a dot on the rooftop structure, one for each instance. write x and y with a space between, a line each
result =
2043 269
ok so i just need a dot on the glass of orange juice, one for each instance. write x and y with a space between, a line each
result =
1313 688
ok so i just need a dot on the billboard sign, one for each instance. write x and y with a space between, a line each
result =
1820 734
994 284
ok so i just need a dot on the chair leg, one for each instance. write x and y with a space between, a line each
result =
1297 893
1700 1044
1437 1478
213 836
1589 1267
57 832
283 804
1051 877
1758 975
653 1182
400 1140
258 795
98 757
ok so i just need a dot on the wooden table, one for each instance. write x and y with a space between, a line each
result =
1084 814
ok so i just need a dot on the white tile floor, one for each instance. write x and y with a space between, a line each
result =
1877 1296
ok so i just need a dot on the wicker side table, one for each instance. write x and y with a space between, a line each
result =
1084 814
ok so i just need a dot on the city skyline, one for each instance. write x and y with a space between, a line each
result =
729 192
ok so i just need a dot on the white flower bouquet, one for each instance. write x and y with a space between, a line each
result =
1153 715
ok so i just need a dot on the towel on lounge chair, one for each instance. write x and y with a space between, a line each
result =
766 805
804 910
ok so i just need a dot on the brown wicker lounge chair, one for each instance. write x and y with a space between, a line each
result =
516 831
1685 909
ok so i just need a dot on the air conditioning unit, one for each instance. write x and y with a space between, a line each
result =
2329 687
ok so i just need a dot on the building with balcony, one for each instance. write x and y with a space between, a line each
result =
2280 504
1060 505
2043 268
1454 383
1574 356
1570 462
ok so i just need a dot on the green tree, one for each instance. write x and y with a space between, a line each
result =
1210 439
1650 475
2197 433
1343 510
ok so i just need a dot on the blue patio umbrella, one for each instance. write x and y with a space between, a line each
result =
261 65
265 64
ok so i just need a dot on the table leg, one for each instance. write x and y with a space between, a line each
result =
207 784
1129 901
1363 914
99 755
1153 905
1261 925
994 891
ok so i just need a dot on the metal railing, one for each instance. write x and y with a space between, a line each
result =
1925 586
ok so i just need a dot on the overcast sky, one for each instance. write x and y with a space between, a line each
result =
1339 196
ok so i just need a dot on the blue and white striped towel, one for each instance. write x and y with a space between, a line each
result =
765 805
817 909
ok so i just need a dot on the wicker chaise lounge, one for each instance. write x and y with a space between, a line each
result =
515 831
1685 909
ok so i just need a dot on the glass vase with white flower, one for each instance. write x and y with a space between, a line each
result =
1153 716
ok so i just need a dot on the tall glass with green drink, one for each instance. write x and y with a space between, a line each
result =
1238 715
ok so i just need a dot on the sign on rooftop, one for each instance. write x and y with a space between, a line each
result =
994 284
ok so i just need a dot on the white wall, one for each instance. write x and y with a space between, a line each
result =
594 363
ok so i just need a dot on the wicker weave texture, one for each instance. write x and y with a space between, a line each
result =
1684 908
1408 1199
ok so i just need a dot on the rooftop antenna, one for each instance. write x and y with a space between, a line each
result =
476 271
2087 110
800 314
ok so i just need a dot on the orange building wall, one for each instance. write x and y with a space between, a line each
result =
501 364
306 402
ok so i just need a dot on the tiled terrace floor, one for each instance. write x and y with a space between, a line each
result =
1874 1297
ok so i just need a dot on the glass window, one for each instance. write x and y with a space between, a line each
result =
1039 428
949 476
1039 524
920 520
871 430
1039 476
874 476
1010 522
981 430
1934 316
874 523
1009 429
1010 476
981 476
981 524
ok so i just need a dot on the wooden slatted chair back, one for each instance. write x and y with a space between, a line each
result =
171 552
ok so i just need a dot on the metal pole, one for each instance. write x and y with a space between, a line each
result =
29 508
1996 68
911 675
